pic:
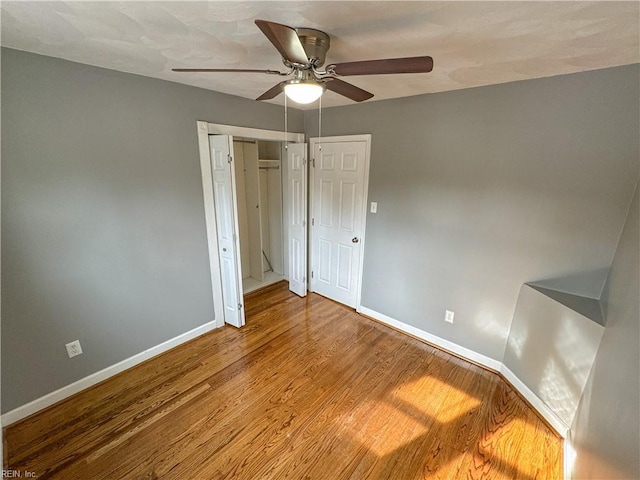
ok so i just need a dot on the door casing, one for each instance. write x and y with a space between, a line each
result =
204 129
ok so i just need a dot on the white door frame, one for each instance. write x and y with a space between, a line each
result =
367 160
205 129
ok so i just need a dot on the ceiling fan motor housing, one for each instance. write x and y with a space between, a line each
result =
315 43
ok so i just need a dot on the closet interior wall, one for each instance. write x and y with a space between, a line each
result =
258 170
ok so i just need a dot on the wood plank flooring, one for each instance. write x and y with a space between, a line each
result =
307 389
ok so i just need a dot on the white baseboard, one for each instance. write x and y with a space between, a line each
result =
554 420
95 378
477 358
569 457
435 340
65 392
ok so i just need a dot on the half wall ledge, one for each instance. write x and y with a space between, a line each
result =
590 308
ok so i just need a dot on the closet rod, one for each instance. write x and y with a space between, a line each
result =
239 140
269 168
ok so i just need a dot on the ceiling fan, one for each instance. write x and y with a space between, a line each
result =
303 52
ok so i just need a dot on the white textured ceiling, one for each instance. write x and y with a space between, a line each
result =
472 43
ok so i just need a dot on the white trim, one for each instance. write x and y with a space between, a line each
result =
435 340
495 365
210 222
254 133
204 130
366 137
95 378
568 457
535 401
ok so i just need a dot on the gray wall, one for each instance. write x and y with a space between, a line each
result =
551 349
606 430
482 190
102 215
478 191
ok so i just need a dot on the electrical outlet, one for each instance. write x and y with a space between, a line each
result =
74 349
448 316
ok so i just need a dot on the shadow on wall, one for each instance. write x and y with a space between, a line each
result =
575 284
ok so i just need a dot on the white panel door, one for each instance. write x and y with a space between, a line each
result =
226 210
337 223
297 218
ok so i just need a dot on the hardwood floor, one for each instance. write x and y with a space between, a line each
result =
307 390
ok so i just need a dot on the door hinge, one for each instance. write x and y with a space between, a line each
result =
239 306
229 158
313 162
235 237
313 222
311 273
304 279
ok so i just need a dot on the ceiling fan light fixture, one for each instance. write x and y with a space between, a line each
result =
304 92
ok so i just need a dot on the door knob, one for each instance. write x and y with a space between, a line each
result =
355 240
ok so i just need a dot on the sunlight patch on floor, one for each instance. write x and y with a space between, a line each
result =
420 394
382 428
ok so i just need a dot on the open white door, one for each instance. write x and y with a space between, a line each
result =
297 218
226 210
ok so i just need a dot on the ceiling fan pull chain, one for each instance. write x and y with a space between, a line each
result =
320 124
286 140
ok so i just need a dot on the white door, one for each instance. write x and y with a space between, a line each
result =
297 217
340 173
226 212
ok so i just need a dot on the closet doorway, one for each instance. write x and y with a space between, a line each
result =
258 171
252 227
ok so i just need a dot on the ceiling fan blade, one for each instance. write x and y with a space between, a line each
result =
347 90
286 41
232 70
385 66
273 92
